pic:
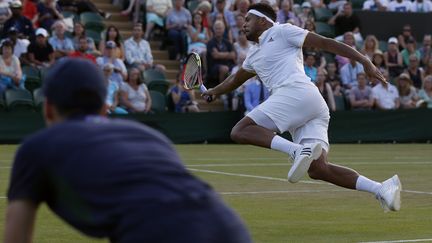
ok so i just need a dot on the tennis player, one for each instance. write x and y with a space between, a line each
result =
109 178
296 105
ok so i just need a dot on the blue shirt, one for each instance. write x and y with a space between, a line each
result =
311 72
252 94
102 175
65 45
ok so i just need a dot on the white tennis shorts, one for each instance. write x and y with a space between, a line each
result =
299 109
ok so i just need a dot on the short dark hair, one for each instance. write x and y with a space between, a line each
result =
265 9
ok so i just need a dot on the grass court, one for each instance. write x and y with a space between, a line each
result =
253 181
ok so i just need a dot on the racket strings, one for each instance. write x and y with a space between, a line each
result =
191 73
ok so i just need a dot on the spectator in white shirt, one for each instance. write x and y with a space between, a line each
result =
386 96
137 51
421 6
375 5
400 6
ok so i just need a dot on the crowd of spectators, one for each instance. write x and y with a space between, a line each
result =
37 35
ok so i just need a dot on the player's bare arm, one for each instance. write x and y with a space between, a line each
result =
231 82
20 218
342 49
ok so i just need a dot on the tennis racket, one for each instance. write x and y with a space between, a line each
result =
192 74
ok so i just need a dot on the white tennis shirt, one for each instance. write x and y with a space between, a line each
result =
278 59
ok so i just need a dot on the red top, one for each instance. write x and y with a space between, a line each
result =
83 55
29 9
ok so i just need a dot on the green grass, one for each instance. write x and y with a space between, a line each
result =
276 211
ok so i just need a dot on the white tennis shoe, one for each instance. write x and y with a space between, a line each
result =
389 194
302 161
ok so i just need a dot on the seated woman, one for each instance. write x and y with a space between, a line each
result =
135 96
325 89
407 92
184 100
78 31
113 92
425 94
10 69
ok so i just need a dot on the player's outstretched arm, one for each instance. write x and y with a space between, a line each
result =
230 83
342 49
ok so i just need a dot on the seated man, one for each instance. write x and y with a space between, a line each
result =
349 72
361 95
22 24
82 50
116 179
138 53
220 55
113 92
63 46
386 96
119 74
40 52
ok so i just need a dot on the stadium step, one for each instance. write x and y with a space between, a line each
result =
123 25
108 7
116 16
169 64
157 54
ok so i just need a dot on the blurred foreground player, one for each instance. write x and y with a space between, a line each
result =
109 178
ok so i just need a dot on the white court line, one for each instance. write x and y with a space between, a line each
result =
5 167
284 164
397 241
281 179
274 192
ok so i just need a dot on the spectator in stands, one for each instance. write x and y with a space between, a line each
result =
81 6
361 95
23 25
286 15
119 72
410 50
227 33
242 46
349 74
113 34
400 6
49 12
198 36
157 11
349 39
5 12
242 7
78 32
428 67
204 8
81 52
370 46
325 89
393 58
63 46
40 52
240 19
309 66
135 96
305 14
30 11
405 36
113 92
426 49
386 96
407 93
10 69
415 72
378 60
425 94
333 78
375 5
254 93
226 13
310 25
183 100
335 5
178 20
421 6
345 20
138 52
20 45
220 54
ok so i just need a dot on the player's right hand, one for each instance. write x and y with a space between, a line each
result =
373 72
209 95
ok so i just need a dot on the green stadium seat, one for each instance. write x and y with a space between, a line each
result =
33 78
158 101
382 45
19 99
192 5
38 98
357 4
340 102
322 14
325 29
151 74
160 86
95 35
2 103
92 21
70 14
329 57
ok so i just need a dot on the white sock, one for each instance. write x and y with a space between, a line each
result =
367 185
281 144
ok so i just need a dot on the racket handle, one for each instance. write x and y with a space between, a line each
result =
203 89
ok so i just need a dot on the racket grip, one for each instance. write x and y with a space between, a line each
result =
203 89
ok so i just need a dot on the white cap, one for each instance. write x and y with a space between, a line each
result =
392 40
306 5
42 31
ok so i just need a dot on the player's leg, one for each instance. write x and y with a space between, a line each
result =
258 129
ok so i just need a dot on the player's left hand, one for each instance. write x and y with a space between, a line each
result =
373 72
